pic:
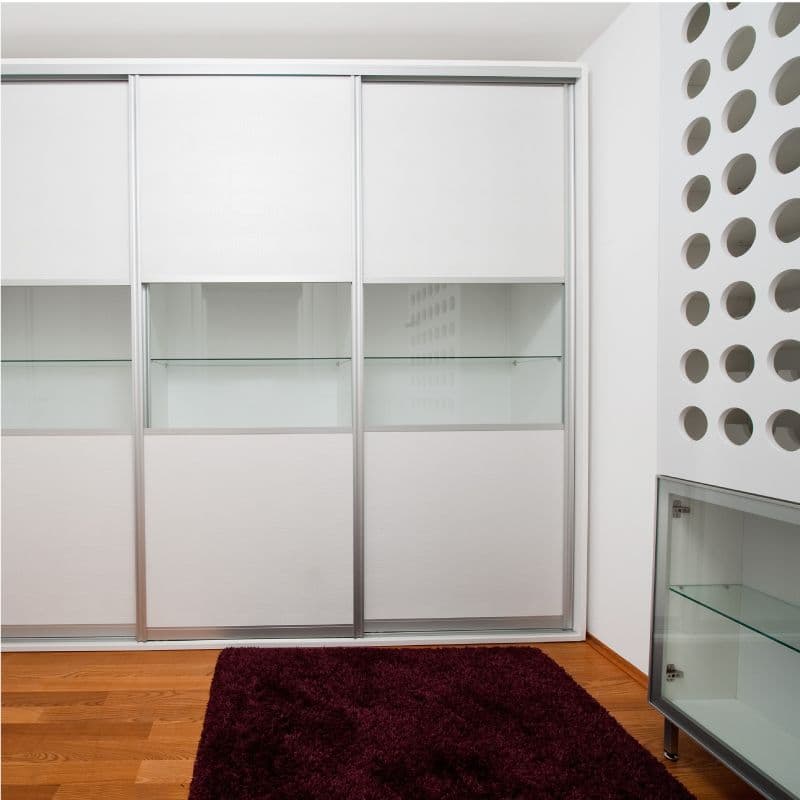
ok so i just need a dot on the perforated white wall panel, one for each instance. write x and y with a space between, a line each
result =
730 248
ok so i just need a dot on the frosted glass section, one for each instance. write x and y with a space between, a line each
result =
249 355
66 353
463 354
732 621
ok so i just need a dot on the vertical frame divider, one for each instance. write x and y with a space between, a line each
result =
569 372
581 350
138 380
357 377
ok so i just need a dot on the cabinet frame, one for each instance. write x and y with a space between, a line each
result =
675 719
572 77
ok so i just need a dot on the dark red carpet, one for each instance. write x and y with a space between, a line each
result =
501 723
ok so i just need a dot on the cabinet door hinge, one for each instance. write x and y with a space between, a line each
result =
673 672
679 509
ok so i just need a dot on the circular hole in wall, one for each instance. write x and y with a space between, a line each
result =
731 6
695 308
739 47
786 18
696 192
696 250
739 299
695 365
786 85
739 173
785 429
785 359
737 425
697 135
697 77
694 422
738 362
786 220
739 110
697 20
786 151
739 236
785 290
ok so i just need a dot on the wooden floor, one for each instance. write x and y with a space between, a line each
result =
85 726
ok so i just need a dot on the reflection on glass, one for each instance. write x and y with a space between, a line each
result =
66 357
463 354
732 622
270 355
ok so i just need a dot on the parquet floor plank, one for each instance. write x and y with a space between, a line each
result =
29 792
125 725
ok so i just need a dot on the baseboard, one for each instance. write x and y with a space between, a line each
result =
372 640
616 659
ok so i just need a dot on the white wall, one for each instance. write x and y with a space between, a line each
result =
624 152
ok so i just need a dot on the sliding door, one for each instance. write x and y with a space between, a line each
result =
247 258
465 313
68 518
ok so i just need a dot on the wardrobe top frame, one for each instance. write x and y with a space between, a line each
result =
558 72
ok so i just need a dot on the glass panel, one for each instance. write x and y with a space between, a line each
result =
731 657
250 355
66 357
756 610
462 354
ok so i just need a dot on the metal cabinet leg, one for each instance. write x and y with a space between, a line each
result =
670 740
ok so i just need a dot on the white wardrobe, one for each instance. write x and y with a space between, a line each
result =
290 355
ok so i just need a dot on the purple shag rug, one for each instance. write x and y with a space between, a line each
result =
500 723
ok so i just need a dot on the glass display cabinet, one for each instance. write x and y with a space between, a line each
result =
439 354
249 355
725 659
66 358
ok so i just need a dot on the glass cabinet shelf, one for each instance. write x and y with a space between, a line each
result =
454 354
32 362
513 360
760 612
249 356
66 360
245 361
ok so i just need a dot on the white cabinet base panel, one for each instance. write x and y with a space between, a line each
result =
68 531
464 525
69 632
248 531
455 624
750 733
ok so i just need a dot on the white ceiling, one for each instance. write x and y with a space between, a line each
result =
427 30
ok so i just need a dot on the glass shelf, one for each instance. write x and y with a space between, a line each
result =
760 612
257 361
513 360
66 360
32 362
274 355
463 354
